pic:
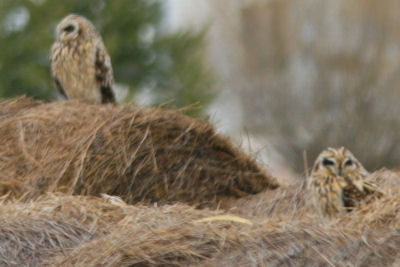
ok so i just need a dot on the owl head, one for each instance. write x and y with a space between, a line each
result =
337 162
73 27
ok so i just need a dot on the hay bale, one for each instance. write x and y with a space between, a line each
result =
151 155
95 213
89 231
280 230
181 243
56 225
313 247
286 203
283 236
155 155
294 235
10 107
32 233
31 242
89 212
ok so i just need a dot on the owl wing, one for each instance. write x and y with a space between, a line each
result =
353 196
60 89
371 188
104 75
357 181
53 57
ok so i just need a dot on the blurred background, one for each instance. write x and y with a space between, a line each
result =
279 76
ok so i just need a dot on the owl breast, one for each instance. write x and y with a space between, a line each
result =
73 66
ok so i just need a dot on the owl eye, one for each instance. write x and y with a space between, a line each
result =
69 28
348 162
328 162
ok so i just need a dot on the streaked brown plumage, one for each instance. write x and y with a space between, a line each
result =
79 61
338 182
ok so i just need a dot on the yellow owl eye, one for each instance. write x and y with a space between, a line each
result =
69 28
348 162
328 162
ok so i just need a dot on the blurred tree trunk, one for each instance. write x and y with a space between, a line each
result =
312 74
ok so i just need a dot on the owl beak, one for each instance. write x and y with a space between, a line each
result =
340 172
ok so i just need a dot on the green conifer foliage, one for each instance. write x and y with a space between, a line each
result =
171 67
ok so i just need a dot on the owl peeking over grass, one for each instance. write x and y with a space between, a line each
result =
338 182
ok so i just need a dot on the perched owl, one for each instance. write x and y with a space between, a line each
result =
338 182
80 65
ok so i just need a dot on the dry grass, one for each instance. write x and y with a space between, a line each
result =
80 151
151 155
262 230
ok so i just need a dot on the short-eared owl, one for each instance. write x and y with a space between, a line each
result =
338 182
80 65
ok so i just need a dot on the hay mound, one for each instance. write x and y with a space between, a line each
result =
274 228
56 225
151 155
11 107
31 242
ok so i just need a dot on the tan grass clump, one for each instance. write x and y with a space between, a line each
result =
57 225
152 155
31 242
11 107
274 228
31 233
